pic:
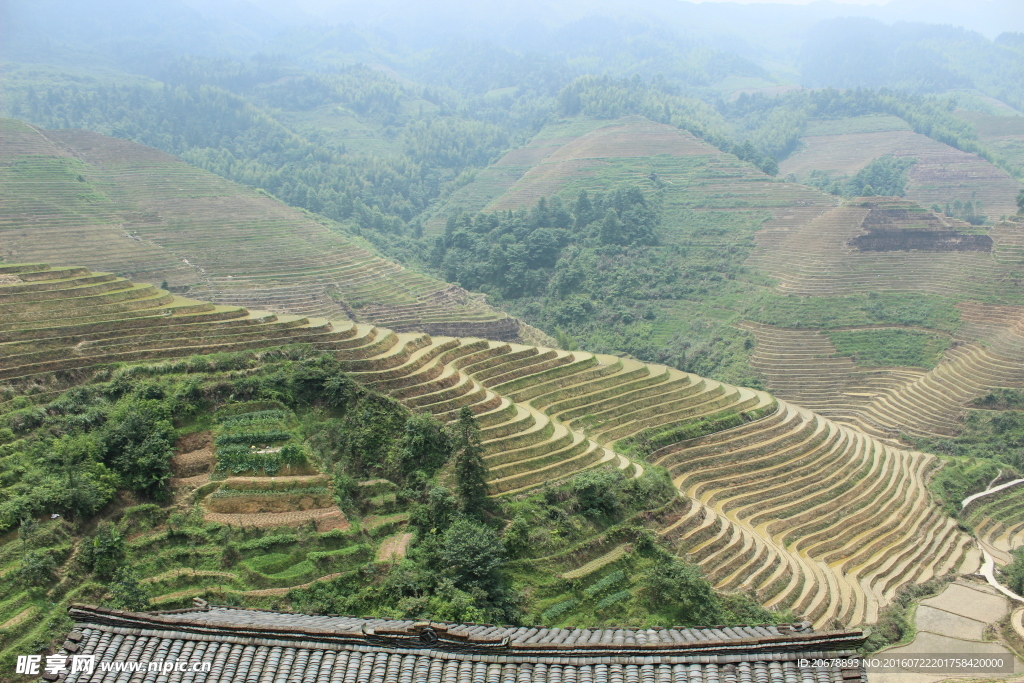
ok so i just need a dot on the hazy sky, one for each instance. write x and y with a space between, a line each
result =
801 2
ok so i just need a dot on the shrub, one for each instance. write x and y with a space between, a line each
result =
105 552
558 609
267 542
126 592
595 491
137 441
614 599
37 568
678 590
469 552
605 583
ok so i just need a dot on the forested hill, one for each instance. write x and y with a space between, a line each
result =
394 158
121 207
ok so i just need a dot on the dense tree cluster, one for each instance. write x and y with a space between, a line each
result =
516 253
605 97
885 176
233 136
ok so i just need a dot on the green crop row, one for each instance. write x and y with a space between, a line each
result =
237 459
253 438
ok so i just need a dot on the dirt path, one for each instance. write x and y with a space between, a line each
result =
970 499
988 570
988 566
19 618
394 547
189 482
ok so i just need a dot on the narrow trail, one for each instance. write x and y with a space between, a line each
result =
989 491
988 566
988 570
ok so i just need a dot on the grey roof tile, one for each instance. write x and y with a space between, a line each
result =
253 646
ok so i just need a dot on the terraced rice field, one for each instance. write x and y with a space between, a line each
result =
815 259
116 206
801 366
783 504
960 619
577 154
810 514
1002 134
941 174
63 320
889 401
834 541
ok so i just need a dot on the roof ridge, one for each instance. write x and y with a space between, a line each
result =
446 635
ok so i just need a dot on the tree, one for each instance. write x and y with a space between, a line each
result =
677 589
137 439
1020 201
105 554
436 513
596 491
424 447
83 485
611 228
37 568
470 470
473 553
126 592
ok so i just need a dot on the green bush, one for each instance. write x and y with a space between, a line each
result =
551 614
605 583
37 568
614 599
265 542
253 438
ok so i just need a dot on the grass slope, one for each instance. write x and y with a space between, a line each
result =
942 174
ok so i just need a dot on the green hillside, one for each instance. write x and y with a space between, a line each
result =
121 207
310 458
732 257
691 315
939 174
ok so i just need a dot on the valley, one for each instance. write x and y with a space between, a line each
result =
634 323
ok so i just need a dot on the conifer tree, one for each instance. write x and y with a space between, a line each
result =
470 470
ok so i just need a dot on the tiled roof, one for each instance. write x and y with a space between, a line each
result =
258 646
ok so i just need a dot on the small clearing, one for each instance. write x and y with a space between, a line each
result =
19 618
394 547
